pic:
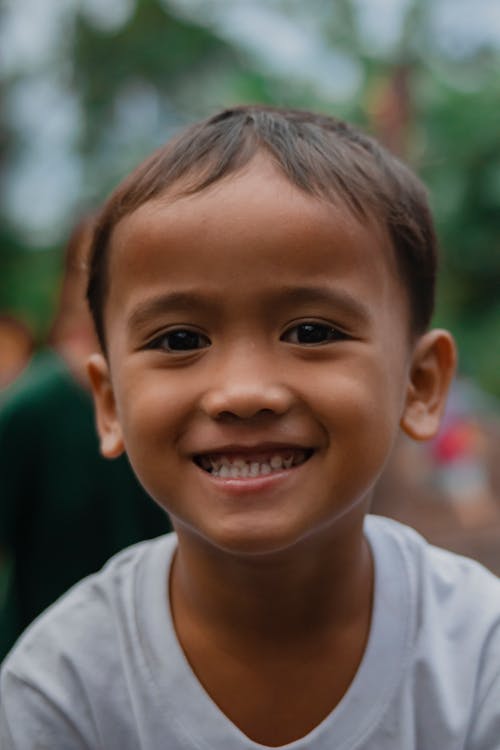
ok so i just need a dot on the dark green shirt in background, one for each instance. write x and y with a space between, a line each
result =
64 510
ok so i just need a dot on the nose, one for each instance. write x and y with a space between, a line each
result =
244 390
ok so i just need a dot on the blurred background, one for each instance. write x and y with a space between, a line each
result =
88 88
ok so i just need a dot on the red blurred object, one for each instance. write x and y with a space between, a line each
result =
458 440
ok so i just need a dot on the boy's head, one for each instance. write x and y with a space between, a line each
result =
321 155
262 288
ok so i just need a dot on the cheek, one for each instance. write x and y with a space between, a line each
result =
152 421
360 402
362 424
151 410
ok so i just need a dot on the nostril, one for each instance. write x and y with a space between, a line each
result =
241 401
231 416
227 416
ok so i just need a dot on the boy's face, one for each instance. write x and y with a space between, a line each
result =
252 326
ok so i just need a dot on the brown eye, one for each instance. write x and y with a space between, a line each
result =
180 340
310 334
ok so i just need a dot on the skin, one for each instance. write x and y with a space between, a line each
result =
271 588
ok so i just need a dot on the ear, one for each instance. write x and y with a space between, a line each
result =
432 369
108 424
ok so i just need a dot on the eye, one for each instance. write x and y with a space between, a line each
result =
180 340
311 334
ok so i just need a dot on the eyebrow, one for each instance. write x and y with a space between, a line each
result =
164 303
287 295
336 297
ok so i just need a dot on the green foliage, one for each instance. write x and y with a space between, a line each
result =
185 70
28 282
462 169
153 46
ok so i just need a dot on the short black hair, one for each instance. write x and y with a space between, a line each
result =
321 155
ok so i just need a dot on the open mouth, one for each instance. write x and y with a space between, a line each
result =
242 466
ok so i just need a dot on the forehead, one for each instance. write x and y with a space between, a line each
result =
255 229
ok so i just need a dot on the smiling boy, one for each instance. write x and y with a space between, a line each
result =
262 289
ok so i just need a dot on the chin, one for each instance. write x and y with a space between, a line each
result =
246 540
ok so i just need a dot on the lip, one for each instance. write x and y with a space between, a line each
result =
246 449
253 485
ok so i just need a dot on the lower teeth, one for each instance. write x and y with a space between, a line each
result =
237 472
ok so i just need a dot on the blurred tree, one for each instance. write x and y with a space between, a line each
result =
461 165
135 76
434 97
429 90
132 84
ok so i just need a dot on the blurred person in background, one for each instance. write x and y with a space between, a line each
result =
460 467
16 348
64 510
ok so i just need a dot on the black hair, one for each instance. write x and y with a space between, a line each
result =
321 155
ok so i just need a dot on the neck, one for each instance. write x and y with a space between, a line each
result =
320 585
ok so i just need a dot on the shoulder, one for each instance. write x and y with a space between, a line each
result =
453 649
80 631
452 580
68 676
443 585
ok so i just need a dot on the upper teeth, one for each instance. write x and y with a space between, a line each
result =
239 467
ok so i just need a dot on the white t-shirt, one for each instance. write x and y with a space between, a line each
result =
102 668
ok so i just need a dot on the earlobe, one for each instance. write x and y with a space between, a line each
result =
432 369
108 424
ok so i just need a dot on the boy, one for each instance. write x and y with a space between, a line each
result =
262 289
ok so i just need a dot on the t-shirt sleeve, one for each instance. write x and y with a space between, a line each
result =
31 719
485 728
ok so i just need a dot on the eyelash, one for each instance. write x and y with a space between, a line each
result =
157 343
321 333
327 333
